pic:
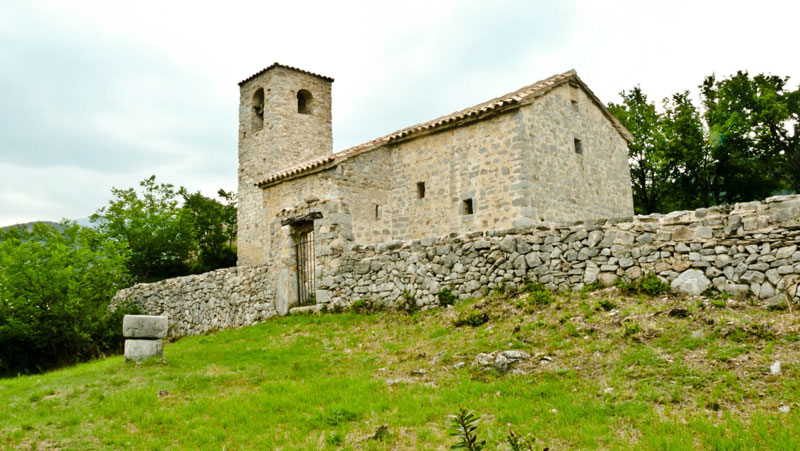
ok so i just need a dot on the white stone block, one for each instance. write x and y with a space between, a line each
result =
144 326
138 350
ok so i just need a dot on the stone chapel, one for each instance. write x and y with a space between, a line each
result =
550 151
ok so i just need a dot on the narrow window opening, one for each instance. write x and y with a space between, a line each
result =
304 102
258 109
467 207
420 190
573 96
578 146
377 211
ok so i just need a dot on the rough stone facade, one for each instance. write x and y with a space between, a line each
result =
550 151
746 248
274 135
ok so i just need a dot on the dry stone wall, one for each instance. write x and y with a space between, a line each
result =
749 247
222 299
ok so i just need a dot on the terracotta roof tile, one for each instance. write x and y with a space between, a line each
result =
514 98
274 65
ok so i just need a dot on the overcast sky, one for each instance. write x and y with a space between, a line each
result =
95 94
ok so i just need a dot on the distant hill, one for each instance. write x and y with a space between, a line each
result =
29 225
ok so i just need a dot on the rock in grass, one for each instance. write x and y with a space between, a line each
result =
777 302
691 281
502 361
775 368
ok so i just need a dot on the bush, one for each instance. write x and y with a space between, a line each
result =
446 297
472 317
55 287
649 284
606 304
538 295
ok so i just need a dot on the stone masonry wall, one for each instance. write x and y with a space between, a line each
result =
749 247
746 248
222 299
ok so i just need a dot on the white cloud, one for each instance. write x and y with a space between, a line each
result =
100 93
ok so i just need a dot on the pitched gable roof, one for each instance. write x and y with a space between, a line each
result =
505 102
275 65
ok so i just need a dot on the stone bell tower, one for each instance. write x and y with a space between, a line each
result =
284 120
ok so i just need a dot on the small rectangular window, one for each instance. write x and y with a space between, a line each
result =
578 146
377 211
574 105
420 190
467 207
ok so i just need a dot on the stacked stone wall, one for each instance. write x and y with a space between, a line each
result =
747 248
222 299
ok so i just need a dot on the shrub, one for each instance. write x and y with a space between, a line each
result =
55 287
464 427
538 295
649 284
472 317
407 303
446 297
606 304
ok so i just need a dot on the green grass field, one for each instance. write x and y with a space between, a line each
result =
607 372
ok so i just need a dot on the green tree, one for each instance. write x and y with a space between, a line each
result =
213 228
157 230
650 167
755 122
685 149
745 166
55 286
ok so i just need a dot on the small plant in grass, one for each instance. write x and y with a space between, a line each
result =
446 297
606 304
649 284
334 439
630 329
719 302
538 295
340 416
594 286
532 287
518 443
472 317
407 303
464 427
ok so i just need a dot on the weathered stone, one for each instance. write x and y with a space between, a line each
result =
752 277
607 278
144 326
691 282
591 273
138 350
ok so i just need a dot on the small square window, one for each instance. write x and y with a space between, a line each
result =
578 146
420 190
574 105
467 207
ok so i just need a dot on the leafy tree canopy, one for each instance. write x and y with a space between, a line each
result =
55 286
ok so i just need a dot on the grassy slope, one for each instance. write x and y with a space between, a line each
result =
628 377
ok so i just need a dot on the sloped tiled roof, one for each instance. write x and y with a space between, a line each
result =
274 65
507 101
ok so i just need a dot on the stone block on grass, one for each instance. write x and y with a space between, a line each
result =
138 350
144 326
